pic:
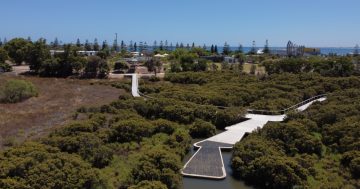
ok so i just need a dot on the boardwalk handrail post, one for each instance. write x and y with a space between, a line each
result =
283 111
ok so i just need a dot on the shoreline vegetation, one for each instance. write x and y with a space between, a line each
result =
140 143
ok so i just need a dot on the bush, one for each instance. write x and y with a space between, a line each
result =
132 130
34 165
149 185
158 164
228 117
16 91
154 78
4 67
202 129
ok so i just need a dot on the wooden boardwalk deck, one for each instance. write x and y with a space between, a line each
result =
207 162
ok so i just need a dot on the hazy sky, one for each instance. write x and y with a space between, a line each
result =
320 23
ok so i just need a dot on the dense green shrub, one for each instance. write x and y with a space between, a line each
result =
202 129
17 90
158 164
187 78
228 117
164 126
37 166
5 67
131 130
309 147
149 185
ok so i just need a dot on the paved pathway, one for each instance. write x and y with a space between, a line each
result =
207 161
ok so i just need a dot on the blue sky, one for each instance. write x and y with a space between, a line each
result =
318 23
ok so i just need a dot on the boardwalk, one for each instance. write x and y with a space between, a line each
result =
207 162
134 83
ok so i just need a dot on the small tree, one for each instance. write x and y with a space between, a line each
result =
55 43
215 49
104 69
87 46
154 65
240 49
226 49
37 55
78 43
17 90
3 55
18 49
96 45
266 48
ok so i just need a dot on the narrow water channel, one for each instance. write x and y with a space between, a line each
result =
228 183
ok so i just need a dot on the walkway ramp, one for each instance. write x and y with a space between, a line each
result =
134 84
207 162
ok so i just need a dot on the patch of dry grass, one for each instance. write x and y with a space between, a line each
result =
58 99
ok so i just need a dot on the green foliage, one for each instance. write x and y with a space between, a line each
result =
135 142
34 165
337 67
18 49
293 137
37 55
17 90
49 67
118 66
164 126
153 65
3 55
228 117
202 129
201 65
256 160
96 67
307 149
292 65
149 185
5 67
158 164
333 67
187 78
131 130
185 61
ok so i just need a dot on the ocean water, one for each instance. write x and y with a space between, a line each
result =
323 50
